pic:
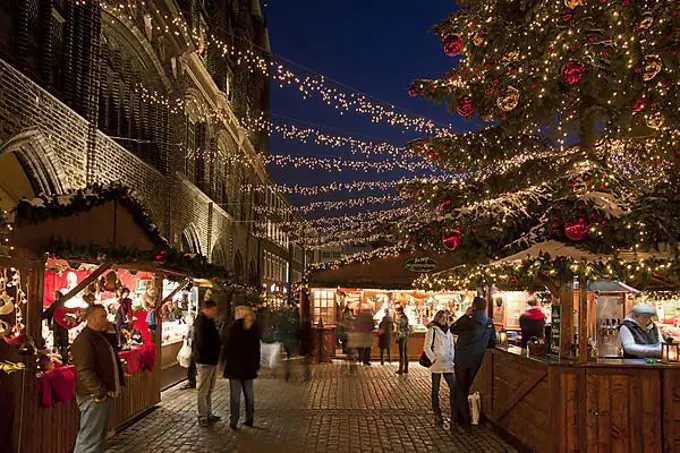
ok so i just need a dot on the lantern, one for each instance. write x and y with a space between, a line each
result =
670 351
503 336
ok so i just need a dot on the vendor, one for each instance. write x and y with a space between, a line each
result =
640 336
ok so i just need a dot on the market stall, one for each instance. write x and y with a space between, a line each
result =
578 391
57 269
378 283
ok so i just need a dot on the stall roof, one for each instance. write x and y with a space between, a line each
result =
109 225
559 249
393 272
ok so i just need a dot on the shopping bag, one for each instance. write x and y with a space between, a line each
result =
270 355
184 355
475 401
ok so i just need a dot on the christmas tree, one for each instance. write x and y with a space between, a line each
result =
577 140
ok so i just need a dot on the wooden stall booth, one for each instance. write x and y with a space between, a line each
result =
578 396
379 284
97 246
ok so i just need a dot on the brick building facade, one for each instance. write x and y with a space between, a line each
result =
139 92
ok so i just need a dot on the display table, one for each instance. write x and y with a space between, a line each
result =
602 406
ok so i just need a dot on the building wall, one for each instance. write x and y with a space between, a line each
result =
73 109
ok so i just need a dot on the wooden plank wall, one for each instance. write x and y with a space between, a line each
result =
623 410
54 429
564 409
484 385
522 400
671 400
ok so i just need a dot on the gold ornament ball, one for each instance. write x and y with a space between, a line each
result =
478 39
571 4
512 55
508 100
646 22
655 121
652 67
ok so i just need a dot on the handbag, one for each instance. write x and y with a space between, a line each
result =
424 359
184 355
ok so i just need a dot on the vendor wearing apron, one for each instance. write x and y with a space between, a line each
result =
640 336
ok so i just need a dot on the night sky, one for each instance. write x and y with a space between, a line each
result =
376 47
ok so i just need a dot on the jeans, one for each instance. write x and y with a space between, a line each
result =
436 383
403 354
382 355
206 385
94 424
464 378
236 386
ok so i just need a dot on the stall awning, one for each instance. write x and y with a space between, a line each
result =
109 225
393 272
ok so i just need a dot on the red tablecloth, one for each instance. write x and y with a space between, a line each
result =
59 384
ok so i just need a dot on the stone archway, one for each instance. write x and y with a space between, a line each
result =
191 242
38 161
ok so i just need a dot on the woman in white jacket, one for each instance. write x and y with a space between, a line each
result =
439 348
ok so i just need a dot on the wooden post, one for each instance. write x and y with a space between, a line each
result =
566 298
85 283
583 321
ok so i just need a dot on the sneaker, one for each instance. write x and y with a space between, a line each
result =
188 386
214 418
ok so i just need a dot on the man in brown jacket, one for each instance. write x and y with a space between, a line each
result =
99 375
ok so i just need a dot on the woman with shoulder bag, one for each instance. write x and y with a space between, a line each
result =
439 350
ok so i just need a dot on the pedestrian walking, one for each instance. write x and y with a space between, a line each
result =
439 348
364 328
403 333
385 338
191 369
99 376
241 364
289 326
475 334
206 355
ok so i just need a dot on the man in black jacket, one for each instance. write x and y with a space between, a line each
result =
475 334
207 355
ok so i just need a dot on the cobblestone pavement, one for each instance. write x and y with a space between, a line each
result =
368 410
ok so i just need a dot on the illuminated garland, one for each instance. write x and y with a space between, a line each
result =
363 257
345 164
278 71
5 233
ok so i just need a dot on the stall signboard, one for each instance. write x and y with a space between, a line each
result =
421 265
554 344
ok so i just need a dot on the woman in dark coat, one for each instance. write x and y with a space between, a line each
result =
241 356
385 338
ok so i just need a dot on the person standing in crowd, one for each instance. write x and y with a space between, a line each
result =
241 356
99 376
346 320
640 336
475 334
364 328
439 348
289 323
305 339
385 338
532 322
206 351
403 333
191 370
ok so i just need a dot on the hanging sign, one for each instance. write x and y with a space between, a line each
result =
421 265
554 344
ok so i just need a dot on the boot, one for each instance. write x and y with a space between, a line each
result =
405 365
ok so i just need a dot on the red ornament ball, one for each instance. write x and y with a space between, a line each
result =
465 106
452 240
412 92
640 105
453 44
576 231
444 207
572 72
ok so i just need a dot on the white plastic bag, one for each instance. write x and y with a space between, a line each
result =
184 355
270 355
475 401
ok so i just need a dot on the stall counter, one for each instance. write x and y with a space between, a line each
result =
580 407
415 347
